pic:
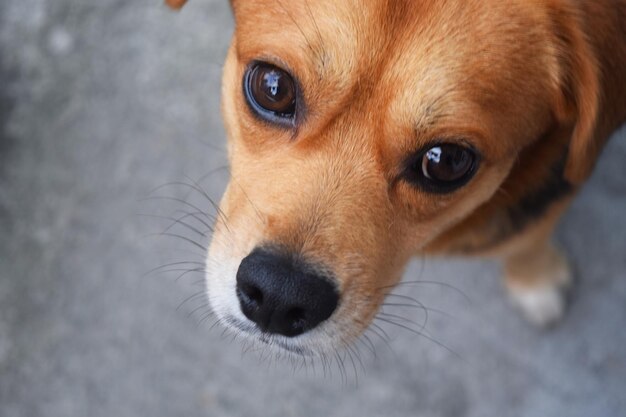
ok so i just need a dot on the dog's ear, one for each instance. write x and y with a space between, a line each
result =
175 4
579 89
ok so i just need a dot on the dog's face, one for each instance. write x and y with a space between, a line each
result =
359 132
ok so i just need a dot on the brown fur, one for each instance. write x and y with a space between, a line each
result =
536 85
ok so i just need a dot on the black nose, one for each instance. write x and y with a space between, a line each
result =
283 295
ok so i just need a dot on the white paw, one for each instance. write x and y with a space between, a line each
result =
542 306
538 286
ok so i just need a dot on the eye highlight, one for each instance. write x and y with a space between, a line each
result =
271 93
442 168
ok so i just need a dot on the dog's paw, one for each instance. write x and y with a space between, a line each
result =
543 303
543 306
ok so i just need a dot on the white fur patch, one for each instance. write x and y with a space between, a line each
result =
542 306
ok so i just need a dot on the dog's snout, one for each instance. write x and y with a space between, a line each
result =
283 295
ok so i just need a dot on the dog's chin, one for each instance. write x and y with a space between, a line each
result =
251 332
313 343
335 333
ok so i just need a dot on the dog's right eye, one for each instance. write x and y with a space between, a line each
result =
271 93
442 168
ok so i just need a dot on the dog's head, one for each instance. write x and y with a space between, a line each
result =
360 132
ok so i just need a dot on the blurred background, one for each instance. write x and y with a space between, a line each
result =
107 109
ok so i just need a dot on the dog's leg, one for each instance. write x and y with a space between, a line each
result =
537 275
537 278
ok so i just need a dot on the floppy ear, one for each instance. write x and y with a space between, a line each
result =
579 84
176 4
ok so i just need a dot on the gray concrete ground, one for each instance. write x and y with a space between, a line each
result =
101 102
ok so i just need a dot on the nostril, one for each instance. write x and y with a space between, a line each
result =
296 317
252 292
250 297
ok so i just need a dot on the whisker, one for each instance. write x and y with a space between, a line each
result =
369 345
202 306
423 282
190 271
175 222
204 318
357 354
186 214
375 328
356 373
325 365
181 270
174 184
195 216
179 200
191 297
213 203
181 183
342 368
403 297
174 235
211 172
212 146
254 207
200 282
419 307
217 321
171 264
419 333
404 319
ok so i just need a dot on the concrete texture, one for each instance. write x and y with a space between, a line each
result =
103 101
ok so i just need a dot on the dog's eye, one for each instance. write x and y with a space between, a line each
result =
443 168
271 92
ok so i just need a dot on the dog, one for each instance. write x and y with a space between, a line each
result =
365 132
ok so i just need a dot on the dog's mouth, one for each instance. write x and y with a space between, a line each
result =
252 332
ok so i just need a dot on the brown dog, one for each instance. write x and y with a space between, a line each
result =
363 132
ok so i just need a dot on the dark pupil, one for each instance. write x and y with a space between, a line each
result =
273 90
446 163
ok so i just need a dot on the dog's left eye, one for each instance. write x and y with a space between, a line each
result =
442 168
271 92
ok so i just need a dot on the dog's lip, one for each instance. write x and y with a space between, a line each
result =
266 338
